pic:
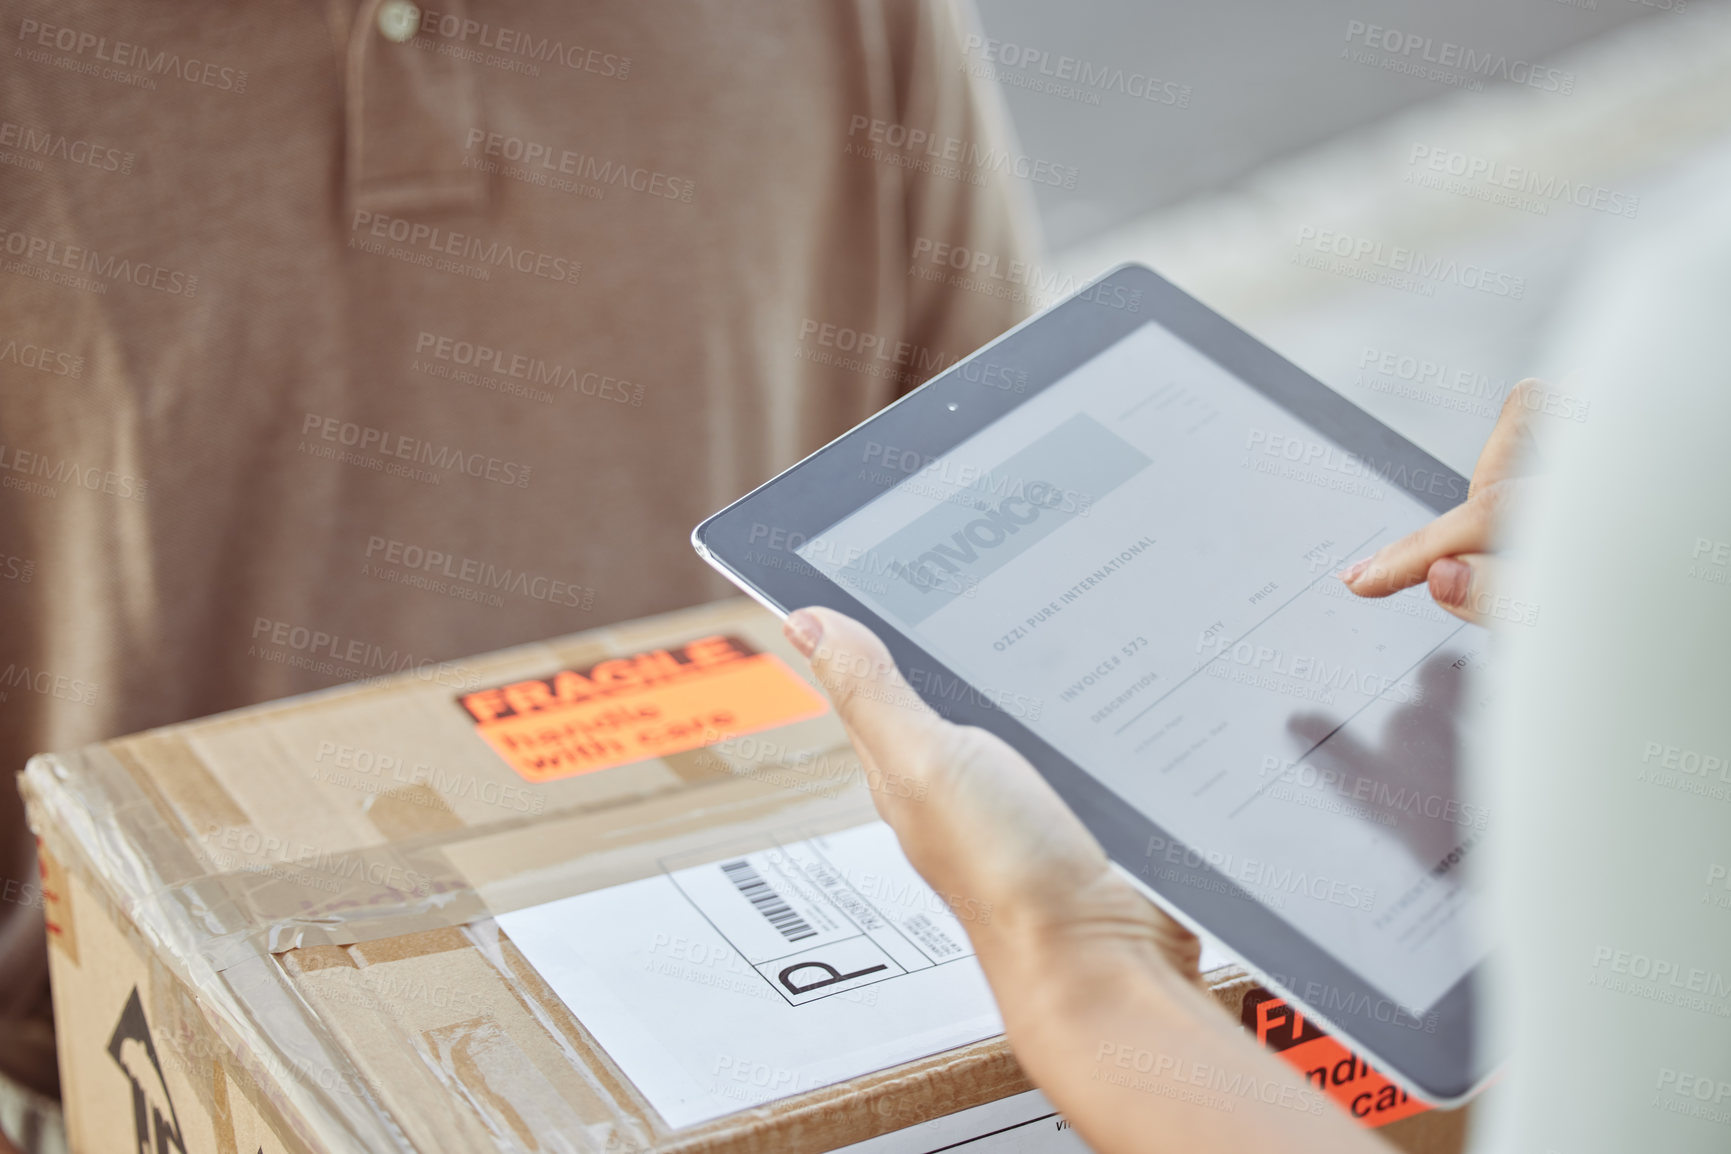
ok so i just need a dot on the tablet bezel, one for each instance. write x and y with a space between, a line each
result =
752 543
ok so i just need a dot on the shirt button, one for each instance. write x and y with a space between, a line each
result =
398 20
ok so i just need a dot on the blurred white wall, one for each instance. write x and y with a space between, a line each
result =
1475 210
1240 82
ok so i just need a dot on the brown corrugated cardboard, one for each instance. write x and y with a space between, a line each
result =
273 929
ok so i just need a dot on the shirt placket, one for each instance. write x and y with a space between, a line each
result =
410 101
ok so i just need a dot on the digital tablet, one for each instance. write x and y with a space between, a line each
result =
1111 538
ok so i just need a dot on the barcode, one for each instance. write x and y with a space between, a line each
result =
760 894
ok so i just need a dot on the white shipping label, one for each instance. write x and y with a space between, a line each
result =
726 985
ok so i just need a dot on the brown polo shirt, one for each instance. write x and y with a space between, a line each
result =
340 340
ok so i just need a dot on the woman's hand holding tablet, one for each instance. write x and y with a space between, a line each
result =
1122 572
1098 988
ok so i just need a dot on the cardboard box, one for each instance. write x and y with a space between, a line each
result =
273 930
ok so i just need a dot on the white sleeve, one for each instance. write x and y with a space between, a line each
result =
1607 764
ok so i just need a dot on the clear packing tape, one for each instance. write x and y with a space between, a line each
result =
366 997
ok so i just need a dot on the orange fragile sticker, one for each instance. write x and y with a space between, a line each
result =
1327 1066
633 708
55 895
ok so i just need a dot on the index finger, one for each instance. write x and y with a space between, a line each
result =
1463 529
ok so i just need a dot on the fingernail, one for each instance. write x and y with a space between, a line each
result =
804 630
1448 580
1355 570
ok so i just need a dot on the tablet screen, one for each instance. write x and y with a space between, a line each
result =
1138 565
